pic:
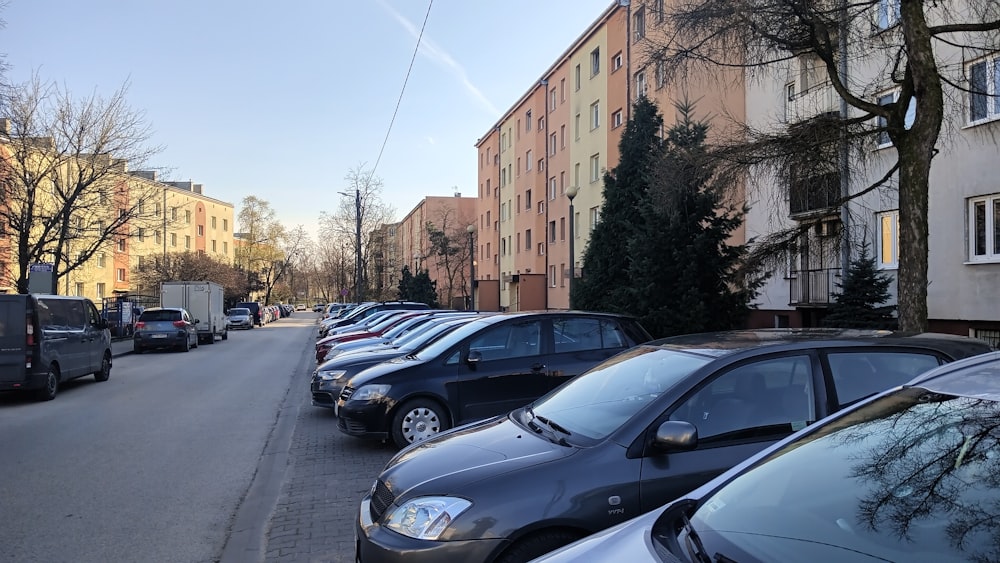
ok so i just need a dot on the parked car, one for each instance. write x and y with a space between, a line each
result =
361 312
256 309
487 367
910 475
165 327
300 307
366 330
239 318
393 336
329 378
46 340
648 426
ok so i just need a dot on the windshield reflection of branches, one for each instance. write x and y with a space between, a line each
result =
935 464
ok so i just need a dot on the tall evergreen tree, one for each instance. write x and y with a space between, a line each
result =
605 284
862 292
686 277
405 284
418 288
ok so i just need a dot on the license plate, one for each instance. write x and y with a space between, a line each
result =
159 336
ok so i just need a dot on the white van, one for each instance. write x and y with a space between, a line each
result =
48 339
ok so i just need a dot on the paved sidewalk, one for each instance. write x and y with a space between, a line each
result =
121 347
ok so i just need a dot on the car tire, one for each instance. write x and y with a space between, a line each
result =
225 334
136 349
418 420
537 544
51 387
197 342
104 372
186 347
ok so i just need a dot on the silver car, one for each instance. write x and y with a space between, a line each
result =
239 318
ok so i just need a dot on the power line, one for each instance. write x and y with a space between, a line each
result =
402 90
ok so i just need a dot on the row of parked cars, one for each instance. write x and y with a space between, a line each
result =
524 432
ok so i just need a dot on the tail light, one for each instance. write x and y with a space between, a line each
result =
179 324
140 325
30 341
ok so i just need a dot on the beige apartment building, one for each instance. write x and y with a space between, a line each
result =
564 133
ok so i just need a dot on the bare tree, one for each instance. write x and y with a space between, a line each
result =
64 186
188 266
448 249
896 42
360 203
261 251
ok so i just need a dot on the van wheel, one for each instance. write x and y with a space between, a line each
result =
416 421
51 387
537 544
105 372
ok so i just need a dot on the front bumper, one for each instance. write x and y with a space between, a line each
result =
325 393
151 340
376 544
362 419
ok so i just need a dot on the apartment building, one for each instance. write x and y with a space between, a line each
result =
564 133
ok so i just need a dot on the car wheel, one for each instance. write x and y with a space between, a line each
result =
225 334
197 342
186 347
418 420
51 387
536 545
105 372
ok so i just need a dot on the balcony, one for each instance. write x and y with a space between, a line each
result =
813 194
812 287
817 100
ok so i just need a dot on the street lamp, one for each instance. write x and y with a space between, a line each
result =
359 291
472 267
571 193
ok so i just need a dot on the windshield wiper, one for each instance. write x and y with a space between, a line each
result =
554 425
694 541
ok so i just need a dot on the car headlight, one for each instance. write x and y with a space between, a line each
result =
330 375
426 518
370 392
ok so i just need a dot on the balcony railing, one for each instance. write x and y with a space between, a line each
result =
813 287
817 100
812 193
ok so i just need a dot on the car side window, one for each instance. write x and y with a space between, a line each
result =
857 375
575 335
509 340
612 335
759 399
92 314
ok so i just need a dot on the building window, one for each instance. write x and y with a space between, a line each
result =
121 274
888 250
616 119
576 127
595 217
552 276
541 123
640 83
661 74
121 245
541 249
562 136
576 77
527 200
658 8
562 228
552 99
201 230
541 207
552 144
595 62
213 223
213 246
527 161
984 228
888 13
173 239
552 188
984 89
639 24
225 248
79 289
576 174
173 213
225 224
595 168
157 210
527 120
100 291
595 115
616 61
527 239
100 260
142 234
156 236
140 262
187 242
562 89
882 139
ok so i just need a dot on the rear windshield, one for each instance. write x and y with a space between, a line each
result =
235 312
152 316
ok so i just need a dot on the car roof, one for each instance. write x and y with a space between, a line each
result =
727 342
152 309
978 376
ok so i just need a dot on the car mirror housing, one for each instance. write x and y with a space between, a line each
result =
676 435
475 356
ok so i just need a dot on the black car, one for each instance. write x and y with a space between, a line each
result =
256 311
912 475
165 327
641 429
487 367
361 312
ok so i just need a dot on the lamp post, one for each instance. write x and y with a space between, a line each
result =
571 193
472 267
359 292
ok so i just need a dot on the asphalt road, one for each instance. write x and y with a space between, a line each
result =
209 455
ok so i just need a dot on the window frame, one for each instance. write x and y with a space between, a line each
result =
887 240
991 66
990 226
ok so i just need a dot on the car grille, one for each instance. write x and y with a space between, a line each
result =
381 500
350 426
323 399
346 393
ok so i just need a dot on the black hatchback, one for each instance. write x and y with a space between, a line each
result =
486 367
639 430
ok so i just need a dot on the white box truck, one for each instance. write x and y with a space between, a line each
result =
203 301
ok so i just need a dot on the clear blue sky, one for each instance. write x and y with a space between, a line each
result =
282 99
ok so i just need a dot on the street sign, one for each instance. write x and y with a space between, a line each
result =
344 292
40 267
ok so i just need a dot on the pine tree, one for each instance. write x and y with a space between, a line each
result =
686 276
863 290
405 284
605 284
424 290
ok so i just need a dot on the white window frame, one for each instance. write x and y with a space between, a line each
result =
640 83
639 24
616 61
595 217
991 97
883 140
552 276
595 115
121 274
616 119
552 188
527 158
595 167
887 227
990 227
595 62
100 260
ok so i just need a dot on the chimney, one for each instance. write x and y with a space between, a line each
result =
196 188
147 174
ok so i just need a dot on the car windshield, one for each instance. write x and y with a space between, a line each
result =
153 316
598 402
913 476
238 312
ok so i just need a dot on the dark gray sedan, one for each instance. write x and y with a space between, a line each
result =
639 430
239 318
165 327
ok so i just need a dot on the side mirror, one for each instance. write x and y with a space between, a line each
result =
676 435
102 324
196 321
475 356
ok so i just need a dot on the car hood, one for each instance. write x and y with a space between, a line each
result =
352 359
466 455
389 366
